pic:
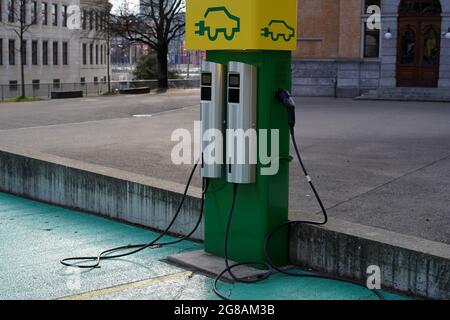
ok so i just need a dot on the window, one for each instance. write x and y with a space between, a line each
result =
95 80
44 13
36 84
91 20
45 53
12 52
34 53
23 52
96 21
84 53
55 53
371 29
1 51
419 7
55 14
96 54
83 81
34 12
64 15
371 43
13 85
56 83
84 19
23 11
11 10
101 54
91 53
65 53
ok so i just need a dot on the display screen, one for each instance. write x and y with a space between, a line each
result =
234 80
234 95
206 79
206 94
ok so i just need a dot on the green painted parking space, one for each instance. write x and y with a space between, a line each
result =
34 237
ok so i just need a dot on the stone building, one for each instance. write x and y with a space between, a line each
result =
379 48
65 43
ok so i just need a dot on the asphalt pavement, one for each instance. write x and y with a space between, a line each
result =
378 163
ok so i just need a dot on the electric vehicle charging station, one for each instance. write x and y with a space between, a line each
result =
241 115
244 86
238 36
212 113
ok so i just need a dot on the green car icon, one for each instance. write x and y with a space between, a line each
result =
218 20
278 29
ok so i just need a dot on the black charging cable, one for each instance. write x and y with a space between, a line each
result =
108 254
285 98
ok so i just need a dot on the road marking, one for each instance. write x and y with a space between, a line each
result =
142 115
127 286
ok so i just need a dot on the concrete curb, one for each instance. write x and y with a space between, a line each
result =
108 192
408 264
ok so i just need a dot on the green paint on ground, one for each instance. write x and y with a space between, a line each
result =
35 236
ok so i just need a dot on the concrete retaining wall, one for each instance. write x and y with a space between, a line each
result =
95 189
408 264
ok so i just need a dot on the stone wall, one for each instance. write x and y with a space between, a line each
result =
334 78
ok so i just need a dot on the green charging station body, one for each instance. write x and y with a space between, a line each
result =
262 205
255 37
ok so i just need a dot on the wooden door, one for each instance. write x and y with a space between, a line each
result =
418 51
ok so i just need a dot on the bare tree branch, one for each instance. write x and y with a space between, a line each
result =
156 25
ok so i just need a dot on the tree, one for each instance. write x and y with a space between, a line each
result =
157 24
18 22
147 68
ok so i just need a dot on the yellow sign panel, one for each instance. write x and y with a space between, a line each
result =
241 24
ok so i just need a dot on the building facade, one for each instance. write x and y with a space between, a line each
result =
351 47
65 42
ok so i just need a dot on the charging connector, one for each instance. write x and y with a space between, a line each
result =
284 97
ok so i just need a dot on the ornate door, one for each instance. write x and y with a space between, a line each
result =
418 49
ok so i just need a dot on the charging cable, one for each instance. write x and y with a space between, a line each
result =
285 98
109 254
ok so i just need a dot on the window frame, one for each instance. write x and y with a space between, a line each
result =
12 52
55 53
36 83
65 53
365 31
54 14
64 15
34 53
34 12
1 51
13 85
44 13
45 53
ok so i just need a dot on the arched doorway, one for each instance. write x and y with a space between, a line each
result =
419 35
